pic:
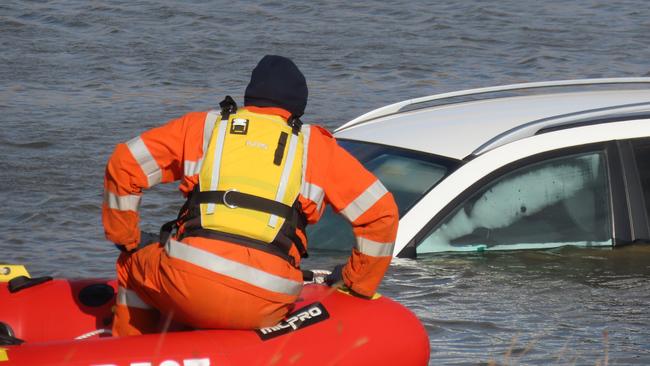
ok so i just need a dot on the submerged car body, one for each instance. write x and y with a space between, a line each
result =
536 165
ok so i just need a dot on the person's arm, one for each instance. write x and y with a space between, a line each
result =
360 197
156 156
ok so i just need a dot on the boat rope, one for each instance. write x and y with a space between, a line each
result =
94 333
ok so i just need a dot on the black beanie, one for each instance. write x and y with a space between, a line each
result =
277 82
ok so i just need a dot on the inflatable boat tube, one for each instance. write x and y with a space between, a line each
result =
57 322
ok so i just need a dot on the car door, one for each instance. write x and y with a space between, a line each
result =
561 194
545 201
635 162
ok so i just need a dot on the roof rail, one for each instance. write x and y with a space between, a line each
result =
398 107
598 115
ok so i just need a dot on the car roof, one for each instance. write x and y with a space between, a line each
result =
465 123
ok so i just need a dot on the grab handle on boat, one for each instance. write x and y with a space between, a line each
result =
23 282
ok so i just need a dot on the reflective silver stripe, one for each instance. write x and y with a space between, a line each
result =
284 178
306 132
129 202
130 299
227 267
373 248
314 193
364 201
216 164
309 190
191 167
146 161
208 128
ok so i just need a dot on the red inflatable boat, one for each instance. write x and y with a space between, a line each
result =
46 321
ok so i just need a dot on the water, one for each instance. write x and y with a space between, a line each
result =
78 76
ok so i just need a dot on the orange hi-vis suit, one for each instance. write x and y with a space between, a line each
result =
206 282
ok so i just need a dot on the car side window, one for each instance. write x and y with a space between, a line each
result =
408 175
642 157
555 202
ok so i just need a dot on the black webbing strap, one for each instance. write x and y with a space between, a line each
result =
234 199
291 225
278 249
279 151
166 231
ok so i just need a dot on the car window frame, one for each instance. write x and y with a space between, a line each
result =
622 229
637 212
450 163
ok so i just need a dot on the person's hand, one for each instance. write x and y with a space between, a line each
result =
336 276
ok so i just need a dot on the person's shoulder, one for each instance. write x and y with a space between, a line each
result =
321 131
194 118
195 115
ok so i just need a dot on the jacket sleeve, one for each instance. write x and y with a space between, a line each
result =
156 156
361 198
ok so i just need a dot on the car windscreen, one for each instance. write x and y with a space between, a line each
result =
407 174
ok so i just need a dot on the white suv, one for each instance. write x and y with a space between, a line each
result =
537 165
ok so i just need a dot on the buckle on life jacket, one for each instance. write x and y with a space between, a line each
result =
236 199
228 107
295 123
287 237
225 202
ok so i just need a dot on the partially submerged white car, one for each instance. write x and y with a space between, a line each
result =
525 166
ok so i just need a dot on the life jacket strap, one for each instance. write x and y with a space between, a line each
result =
297 221
279 247
235 199
276 248
166 231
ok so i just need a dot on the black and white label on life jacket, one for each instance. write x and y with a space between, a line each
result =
300 318
239 126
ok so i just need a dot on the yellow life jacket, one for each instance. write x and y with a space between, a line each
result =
249 182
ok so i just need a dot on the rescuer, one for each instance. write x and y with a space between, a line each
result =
254 177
